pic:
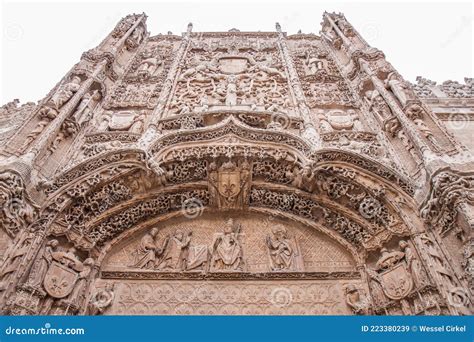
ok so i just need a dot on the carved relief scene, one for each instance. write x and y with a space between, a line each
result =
236 71
179 252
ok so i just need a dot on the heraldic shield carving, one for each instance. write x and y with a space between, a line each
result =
397 282
59 280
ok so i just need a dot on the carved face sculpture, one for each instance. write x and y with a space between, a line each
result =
179 234
154 231
53 243
403 244
228 226
76 80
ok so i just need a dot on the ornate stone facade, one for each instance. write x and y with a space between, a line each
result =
237 173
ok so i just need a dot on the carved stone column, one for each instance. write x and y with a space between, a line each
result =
412 132
310 132
151 131
51 130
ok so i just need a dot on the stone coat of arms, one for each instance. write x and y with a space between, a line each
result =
59 280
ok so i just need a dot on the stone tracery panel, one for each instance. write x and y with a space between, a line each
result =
229 298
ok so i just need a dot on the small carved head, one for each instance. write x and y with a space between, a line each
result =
89 262
350 288
403 244
154 231
53 243
76 79
229 226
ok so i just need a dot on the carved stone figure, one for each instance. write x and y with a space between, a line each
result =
227 250
413 264
147 252
46 115
313 64
77 295
175 252
399 88
356 300
84 111
65 92
284 252
149 65
42 264
101 300
376 102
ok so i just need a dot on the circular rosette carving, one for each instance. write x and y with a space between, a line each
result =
370 208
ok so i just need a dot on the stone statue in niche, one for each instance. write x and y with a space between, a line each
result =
376 102
227 249
84 111
68 129
313 64
135 38
427 133
357 300
147 252
149 65
399 88
41 265
65 92
283 250
413 264
101 300
231 91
